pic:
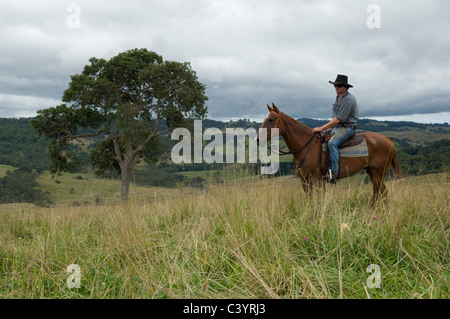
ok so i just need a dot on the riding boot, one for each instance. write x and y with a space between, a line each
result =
333 178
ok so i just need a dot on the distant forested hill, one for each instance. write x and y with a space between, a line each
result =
425 159
20 145
422 148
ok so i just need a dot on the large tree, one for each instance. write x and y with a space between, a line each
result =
124 99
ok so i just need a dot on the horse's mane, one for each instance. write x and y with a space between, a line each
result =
297 122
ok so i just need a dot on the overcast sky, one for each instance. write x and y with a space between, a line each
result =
248 53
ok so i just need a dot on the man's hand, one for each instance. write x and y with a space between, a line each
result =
335 121
318 129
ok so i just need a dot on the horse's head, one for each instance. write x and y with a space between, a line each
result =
272 121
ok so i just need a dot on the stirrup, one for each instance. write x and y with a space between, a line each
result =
329 177
333 179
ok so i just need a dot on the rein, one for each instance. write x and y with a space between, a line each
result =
282 153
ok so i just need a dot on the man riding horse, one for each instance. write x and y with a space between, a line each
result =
343 124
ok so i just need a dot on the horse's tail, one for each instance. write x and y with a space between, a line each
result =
398 173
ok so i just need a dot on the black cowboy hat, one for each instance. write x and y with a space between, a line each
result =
342 80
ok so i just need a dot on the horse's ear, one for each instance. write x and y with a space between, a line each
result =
269 108
275 108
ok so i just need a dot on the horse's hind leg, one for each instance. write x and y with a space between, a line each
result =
379 189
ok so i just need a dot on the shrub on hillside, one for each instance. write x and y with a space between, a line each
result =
20 186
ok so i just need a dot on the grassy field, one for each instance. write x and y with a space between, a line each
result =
251 238
417 137
83 189
4 169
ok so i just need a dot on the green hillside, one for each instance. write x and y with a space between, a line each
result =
422 149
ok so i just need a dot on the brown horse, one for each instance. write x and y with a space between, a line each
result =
311 161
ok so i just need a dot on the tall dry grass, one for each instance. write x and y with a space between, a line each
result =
244 239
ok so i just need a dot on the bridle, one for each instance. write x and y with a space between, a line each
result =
282 130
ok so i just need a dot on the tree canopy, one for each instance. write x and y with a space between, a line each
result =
124 99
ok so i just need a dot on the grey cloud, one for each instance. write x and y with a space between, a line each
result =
248 53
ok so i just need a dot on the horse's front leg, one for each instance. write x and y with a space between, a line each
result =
306 182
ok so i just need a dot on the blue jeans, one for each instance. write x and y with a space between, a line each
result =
341 134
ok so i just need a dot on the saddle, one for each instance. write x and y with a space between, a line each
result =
350 145
355 146
354 140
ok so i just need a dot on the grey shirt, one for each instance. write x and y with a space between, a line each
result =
346 110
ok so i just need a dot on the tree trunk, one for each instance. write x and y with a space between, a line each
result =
126 169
